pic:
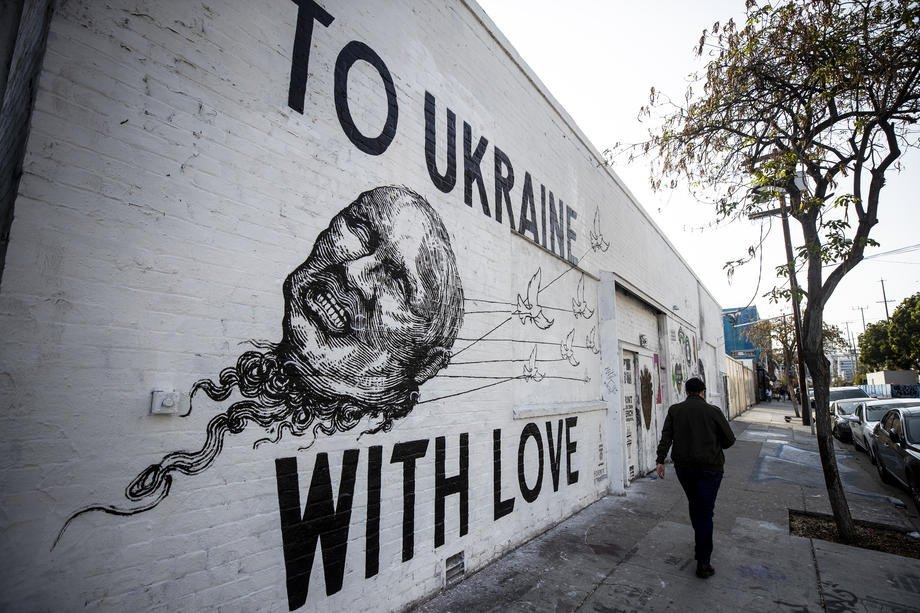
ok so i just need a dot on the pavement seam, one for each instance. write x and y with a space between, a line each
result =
589 594
814 561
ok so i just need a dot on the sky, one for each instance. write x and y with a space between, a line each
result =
599 59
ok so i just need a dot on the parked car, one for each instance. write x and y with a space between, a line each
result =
868 414
896 444
849 391
836 394
843 414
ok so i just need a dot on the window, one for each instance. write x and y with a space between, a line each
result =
886 420
912 428
896 427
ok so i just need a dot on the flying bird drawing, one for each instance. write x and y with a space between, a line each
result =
531 371
528 308
591 341
567 348
597 239
579 304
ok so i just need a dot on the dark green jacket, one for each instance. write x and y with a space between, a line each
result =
699 433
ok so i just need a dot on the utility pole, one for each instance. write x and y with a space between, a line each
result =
796 309
796 314
885 300
852 351
862 311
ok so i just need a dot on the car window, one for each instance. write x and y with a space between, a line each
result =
875 413
886 420
853 393
912 428
845 408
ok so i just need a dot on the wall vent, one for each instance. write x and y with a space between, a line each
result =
453 569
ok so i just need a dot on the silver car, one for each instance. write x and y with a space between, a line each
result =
843 414
868 414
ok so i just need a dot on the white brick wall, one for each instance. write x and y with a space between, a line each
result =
169 190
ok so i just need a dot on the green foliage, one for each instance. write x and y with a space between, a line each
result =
904 332
894 345
875 348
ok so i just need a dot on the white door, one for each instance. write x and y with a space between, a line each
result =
647 419
630 403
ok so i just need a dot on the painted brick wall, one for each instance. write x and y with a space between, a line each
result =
171 184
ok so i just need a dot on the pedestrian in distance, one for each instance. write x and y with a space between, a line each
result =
769 393
698 432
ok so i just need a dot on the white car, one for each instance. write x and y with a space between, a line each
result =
868 414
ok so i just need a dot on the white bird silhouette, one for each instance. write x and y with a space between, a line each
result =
567 348
579 304
597 239
528 308
591 340
531 371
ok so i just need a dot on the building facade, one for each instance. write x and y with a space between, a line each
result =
312 306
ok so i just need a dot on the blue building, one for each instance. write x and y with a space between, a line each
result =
734 323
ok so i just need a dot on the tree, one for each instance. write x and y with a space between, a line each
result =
875 347
823 91
904 332
894 345
779 333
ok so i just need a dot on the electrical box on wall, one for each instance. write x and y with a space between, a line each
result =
164 402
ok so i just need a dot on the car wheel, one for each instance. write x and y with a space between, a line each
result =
882 473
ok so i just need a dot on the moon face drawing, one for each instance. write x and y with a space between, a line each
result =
373 311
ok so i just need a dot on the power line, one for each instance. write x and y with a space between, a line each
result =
898 251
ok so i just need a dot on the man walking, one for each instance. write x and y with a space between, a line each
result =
699 433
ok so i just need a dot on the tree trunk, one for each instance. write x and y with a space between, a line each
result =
787 359
790 389
820 374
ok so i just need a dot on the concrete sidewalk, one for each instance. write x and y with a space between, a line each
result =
635 552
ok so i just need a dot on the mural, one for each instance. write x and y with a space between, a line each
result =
685 358
375 312
372 314
645 385
369 316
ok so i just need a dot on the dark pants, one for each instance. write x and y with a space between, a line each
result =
702 487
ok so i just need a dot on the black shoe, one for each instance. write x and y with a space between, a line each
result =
704 571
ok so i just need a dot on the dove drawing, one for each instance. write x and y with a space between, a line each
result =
591 341
528 308
579 304
531 372
597 239
567 348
